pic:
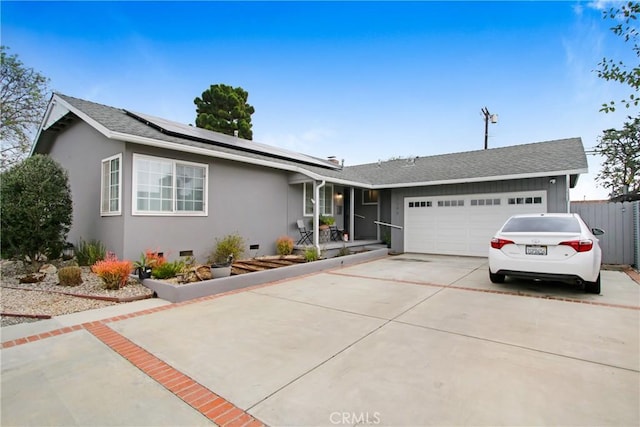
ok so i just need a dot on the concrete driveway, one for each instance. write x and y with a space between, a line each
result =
406 340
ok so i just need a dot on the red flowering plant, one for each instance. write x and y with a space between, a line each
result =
154 259
113 272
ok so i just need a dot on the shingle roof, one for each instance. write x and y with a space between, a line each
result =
565 156
559 156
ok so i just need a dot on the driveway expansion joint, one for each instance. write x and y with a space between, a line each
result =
491 291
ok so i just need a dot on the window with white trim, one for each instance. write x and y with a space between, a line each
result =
325 202
169 187
111 185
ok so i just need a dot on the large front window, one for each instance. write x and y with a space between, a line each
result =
168 187
111 185
325 202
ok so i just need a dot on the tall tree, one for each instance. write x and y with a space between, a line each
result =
225 109
23 100
626 27
620 172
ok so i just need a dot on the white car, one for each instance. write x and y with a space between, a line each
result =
550 246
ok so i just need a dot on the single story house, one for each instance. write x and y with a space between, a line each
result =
141 182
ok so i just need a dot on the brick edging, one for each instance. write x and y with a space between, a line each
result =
216 408
28 316
633 274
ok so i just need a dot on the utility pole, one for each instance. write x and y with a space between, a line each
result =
488 116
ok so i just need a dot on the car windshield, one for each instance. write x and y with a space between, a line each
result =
542 224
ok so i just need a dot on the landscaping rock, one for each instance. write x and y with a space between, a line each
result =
48 269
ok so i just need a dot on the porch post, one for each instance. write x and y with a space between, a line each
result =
378 237
316 213
352 205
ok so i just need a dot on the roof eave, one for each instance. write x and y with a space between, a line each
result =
479 179
227 156
82 115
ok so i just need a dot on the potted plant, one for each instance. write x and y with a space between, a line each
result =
143 267
324 228
226 250
326 221
222 269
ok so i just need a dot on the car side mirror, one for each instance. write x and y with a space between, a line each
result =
597 231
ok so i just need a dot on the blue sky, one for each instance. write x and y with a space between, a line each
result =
360 81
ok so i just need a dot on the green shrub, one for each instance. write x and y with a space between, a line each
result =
284 245
36 209
232 244
167 269
70 276
88 253
311 254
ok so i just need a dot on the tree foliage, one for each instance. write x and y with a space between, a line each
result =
36 210
620 171
627 27
23 100
225 109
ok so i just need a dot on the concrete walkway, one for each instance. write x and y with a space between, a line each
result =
404 341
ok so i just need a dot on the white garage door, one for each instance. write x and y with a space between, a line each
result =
463 225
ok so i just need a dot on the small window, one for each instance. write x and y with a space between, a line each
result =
474 202
369 197
111 186
423 204
537 200
496 202
410 204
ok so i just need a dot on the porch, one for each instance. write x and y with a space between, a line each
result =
331 248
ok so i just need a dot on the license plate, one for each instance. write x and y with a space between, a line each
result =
535 250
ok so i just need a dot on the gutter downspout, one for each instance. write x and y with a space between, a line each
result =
316 215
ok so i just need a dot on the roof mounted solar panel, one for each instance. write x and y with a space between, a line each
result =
216 138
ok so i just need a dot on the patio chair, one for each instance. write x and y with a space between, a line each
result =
336 233
306 236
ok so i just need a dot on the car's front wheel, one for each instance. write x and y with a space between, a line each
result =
496 278
593 287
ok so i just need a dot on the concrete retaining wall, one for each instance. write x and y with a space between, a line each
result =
179 293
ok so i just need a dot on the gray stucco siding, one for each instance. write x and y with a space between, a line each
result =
80 150
244 199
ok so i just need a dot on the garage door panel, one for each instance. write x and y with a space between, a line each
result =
463 225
